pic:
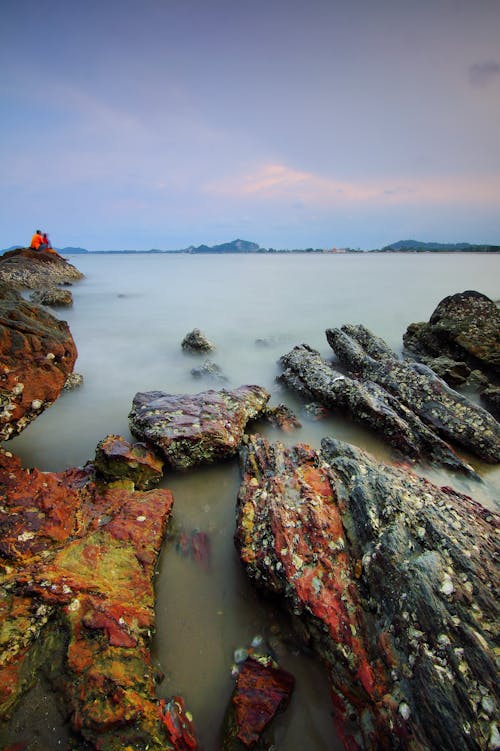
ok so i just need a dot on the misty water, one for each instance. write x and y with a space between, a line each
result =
129 317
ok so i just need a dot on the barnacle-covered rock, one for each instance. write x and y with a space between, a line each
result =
196 341
117 459
305 371
31 269
443 410
37 353
393 578
192 429
77 602
52 296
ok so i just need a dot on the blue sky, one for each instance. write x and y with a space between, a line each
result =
161 123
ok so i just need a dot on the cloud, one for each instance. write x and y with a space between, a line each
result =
482 74
278 183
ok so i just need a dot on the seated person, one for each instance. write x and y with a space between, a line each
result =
36 241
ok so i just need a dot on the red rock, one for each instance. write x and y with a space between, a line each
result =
37 353
116 459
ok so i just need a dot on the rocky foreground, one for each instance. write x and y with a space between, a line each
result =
391 578
31 269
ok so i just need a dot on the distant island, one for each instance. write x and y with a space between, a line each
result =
245 246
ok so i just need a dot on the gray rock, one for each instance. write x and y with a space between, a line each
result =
196 341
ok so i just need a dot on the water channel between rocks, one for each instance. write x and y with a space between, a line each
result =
129 317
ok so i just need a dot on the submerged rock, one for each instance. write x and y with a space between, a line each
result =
77 603
209 370
196 429
262 690
446 412
52 296
196 341
117 459
37 353
305 371
283 417
31 269
392 578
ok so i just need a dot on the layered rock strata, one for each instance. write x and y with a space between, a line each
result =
446 412
393 579
305 371
189 430
77 603
37 354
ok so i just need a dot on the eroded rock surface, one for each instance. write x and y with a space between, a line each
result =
305 371
199 428
31 269
394 580
53 297
117 459
196 341
77 603
446 412
37 353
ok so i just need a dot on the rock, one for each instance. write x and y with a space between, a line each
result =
444 411
31 269
37 353
209 370
195 429
77 603
283 417
369 404
393 580
52 296
196 341
117 459
262 690
73 381
491 397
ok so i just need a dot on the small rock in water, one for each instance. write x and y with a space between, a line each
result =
196 341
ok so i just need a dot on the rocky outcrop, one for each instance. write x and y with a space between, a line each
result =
443 410
189 430
117 459
262 690
461 341
31 269
282 417
53 297
37 353
209 370
76 603
196 341
393 579
305 371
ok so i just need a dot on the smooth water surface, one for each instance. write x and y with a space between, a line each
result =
129 317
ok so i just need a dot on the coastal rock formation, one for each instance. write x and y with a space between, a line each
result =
53 297
305 371
196 341
209 370
117 459
77 604
393 579
282 417
32 269
37 353
262 690
461 342
192 429
450 414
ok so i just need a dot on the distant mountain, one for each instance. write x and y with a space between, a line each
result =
70 250
433 247
236 246
12 247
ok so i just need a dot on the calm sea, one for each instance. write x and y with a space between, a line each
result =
129 317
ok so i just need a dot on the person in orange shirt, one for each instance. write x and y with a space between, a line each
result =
36 240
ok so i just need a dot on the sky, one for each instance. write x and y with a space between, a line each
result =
138 124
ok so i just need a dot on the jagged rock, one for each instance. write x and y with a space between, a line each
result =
283 417
209 370
52 296
77 603
446 412
31 269
491 397
37 353
196 341
369 404
393 579
192 429
262 690
117 459
465 328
